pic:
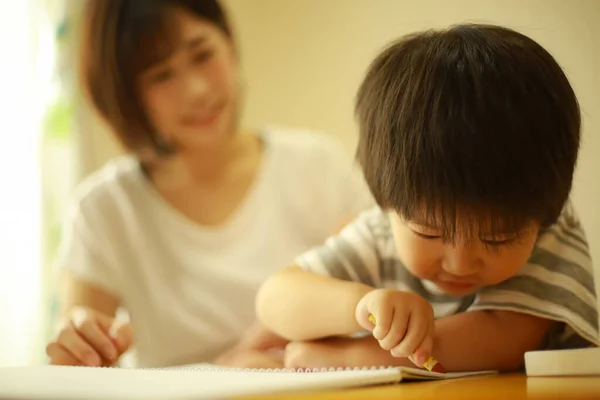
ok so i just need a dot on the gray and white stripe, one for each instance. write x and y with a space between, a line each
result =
557 282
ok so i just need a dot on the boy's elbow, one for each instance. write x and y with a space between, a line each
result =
269 303
274 305
264 301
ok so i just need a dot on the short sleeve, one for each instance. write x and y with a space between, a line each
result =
351 255
556 283
82 251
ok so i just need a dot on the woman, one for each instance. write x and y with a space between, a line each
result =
182 232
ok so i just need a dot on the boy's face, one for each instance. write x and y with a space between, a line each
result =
460 269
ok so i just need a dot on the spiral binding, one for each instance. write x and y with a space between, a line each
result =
279 370
251 370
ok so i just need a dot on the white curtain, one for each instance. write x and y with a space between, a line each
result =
25 80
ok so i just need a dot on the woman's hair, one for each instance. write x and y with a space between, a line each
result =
120 39
475 127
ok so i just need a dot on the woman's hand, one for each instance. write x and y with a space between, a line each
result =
89 338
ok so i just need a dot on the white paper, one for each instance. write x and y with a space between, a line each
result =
201 381
53 382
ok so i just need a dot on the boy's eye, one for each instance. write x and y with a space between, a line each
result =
497 242
487 242
426 236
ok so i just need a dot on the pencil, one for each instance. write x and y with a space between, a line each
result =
431 364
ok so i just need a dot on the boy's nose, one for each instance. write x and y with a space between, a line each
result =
461 261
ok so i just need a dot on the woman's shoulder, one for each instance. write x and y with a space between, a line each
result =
308 149
320 177
303 141
109 184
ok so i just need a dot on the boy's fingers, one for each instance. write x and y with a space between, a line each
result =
417 330
60 355
397 330
383 317
71 340
423 352
363 316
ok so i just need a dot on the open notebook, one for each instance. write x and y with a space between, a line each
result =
200 381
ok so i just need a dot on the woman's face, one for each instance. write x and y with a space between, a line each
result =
190 98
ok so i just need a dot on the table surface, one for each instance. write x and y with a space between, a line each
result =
504 386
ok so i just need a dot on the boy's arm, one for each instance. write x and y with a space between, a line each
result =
473 341
556 282
484 340
259 338
476 340
316 297
254 350
299 305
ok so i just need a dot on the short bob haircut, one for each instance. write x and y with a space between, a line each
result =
473 130
121 38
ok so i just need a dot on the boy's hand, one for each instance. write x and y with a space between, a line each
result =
258 348
404 323
89 338
251 358
339 353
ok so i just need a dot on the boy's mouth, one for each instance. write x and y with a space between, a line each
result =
459 284
456 286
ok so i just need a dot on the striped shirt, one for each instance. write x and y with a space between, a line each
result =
556 283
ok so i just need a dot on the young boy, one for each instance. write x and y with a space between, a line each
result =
468 140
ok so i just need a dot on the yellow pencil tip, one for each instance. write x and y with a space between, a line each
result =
430 363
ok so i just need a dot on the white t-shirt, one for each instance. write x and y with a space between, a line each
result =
190 289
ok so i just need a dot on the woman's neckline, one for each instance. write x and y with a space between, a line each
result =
237 217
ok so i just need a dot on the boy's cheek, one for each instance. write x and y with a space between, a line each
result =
420 256
422 261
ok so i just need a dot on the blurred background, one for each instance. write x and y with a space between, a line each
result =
302 63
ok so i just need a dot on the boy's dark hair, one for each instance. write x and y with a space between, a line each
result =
475 123
121 38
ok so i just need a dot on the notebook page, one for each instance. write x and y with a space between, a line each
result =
54 382
407 372
419 374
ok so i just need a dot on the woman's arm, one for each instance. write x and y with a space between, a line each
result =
76 292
